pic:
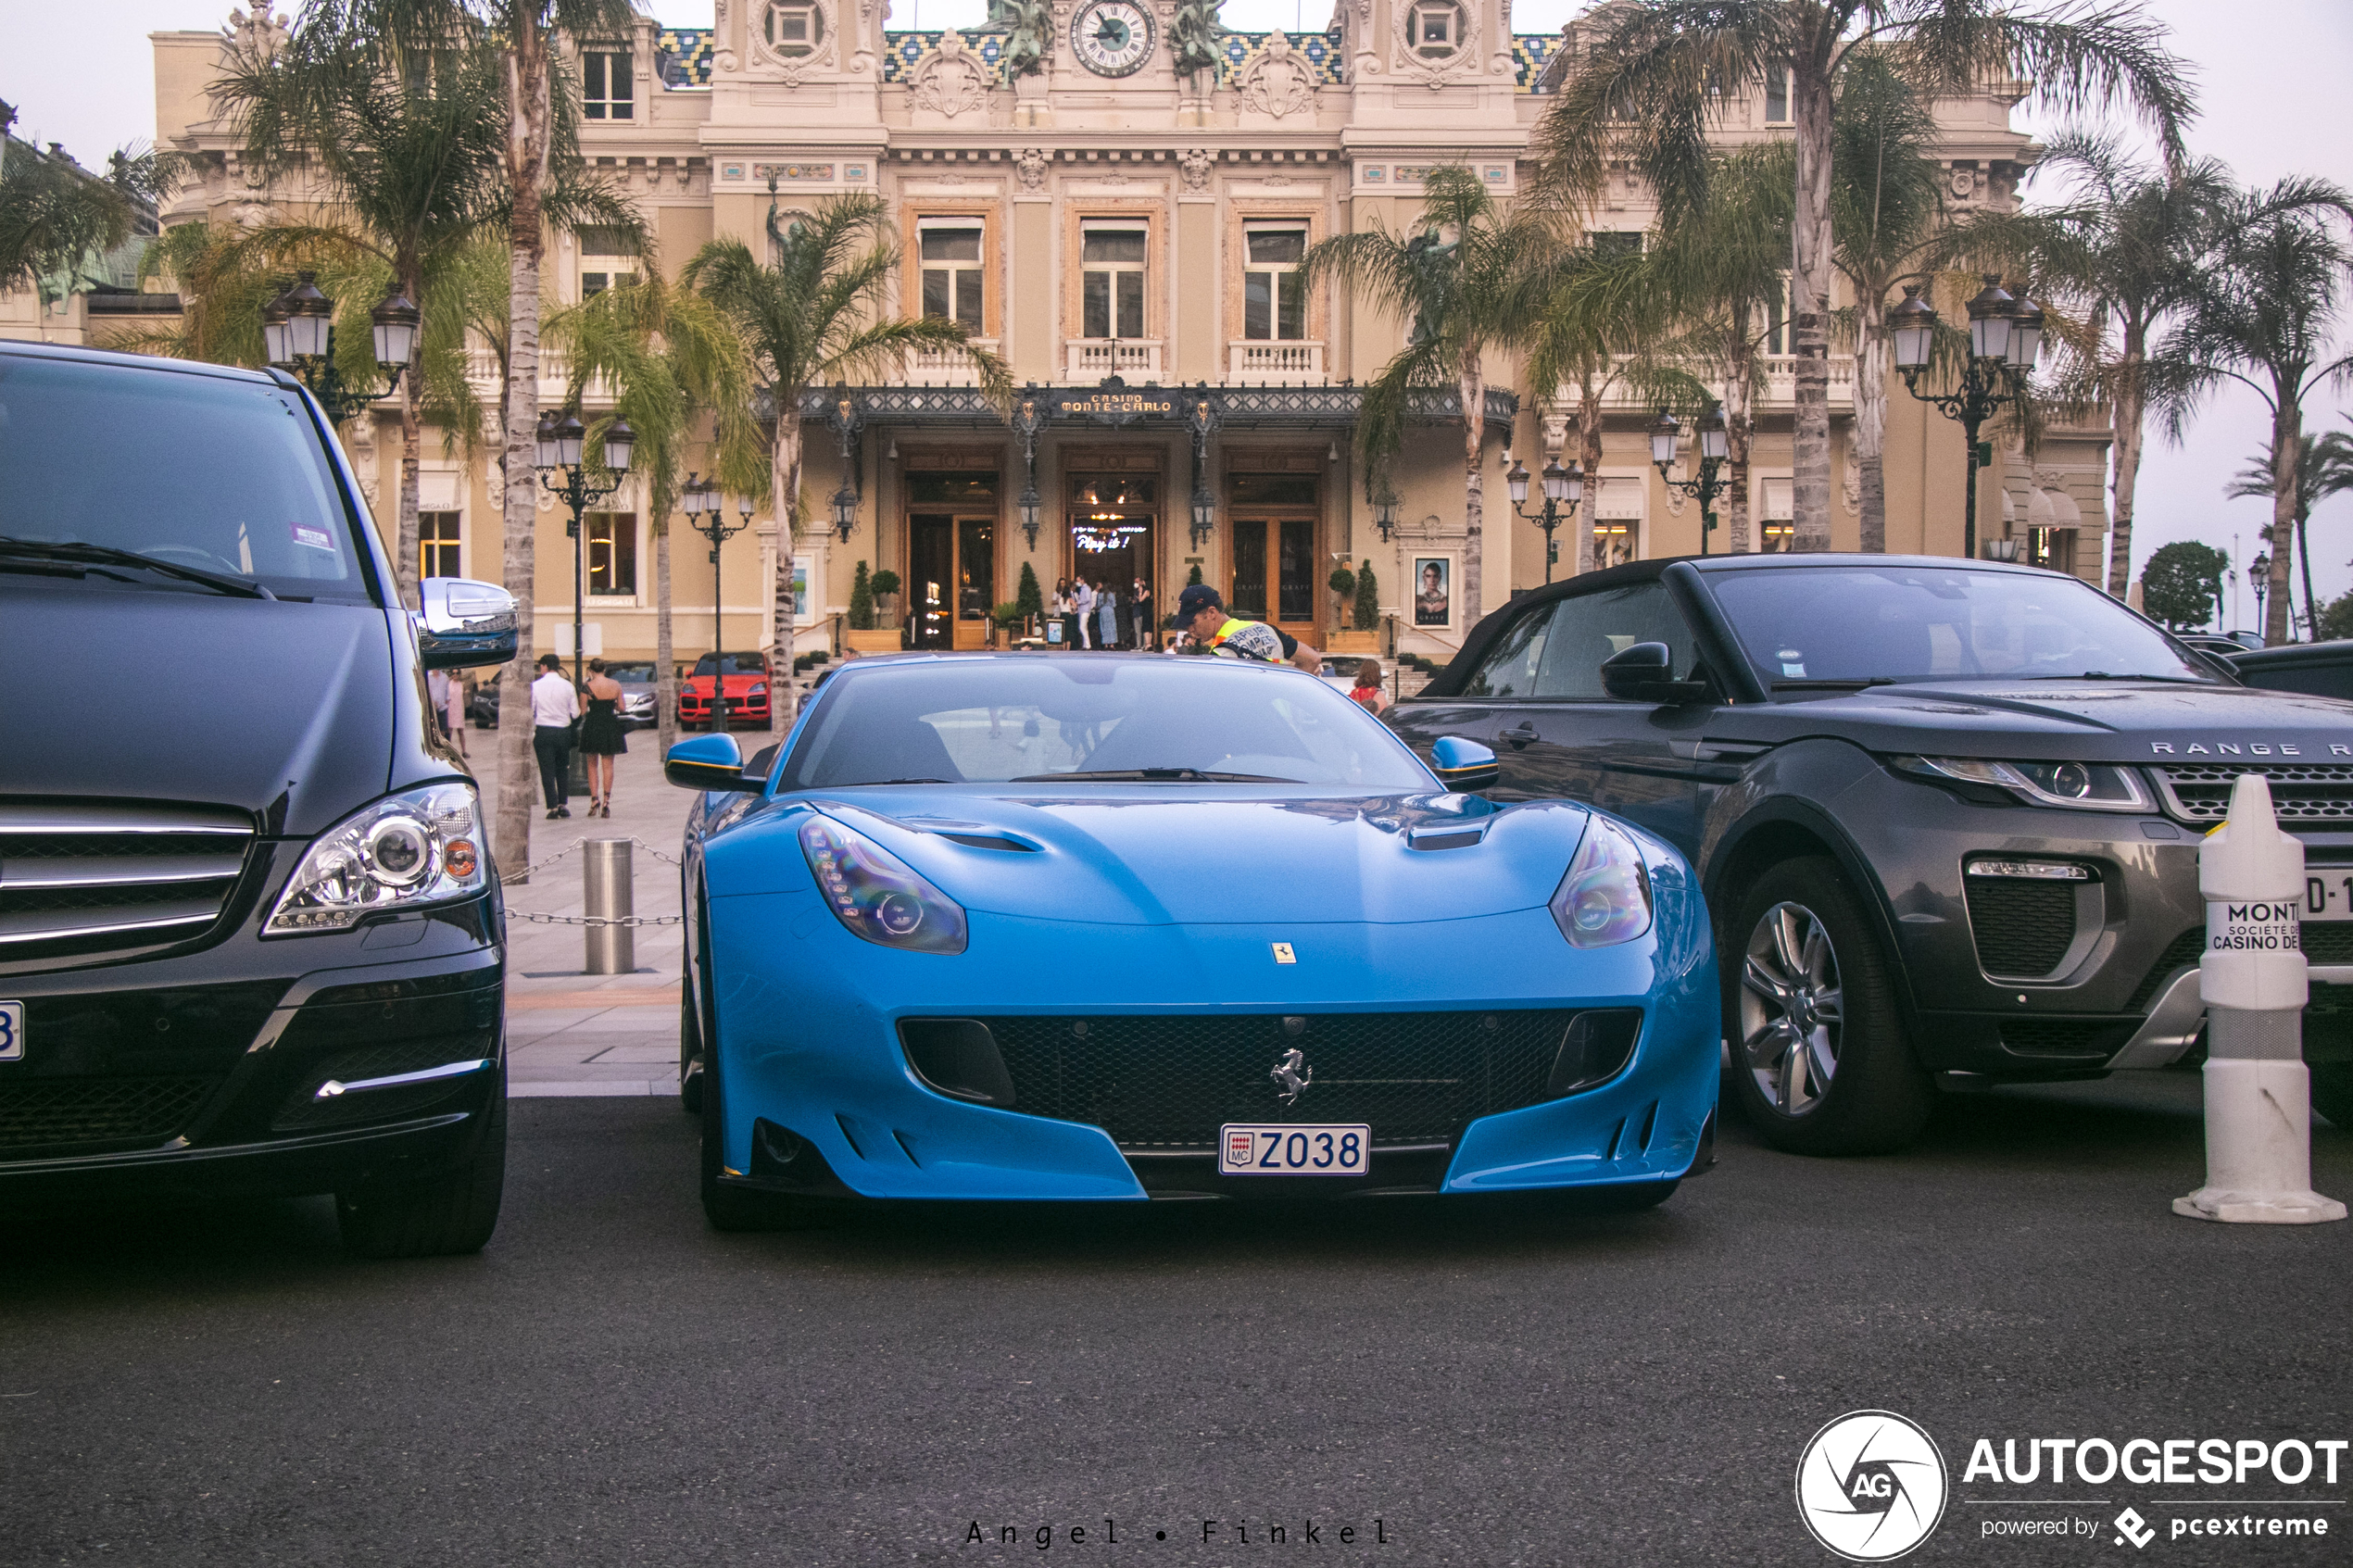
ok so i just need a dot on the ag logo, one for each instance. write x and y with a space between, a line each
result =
1870 1485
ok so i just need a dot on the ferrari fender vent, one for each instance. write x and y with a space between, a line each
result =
1594 1048
1165 1085
958 1057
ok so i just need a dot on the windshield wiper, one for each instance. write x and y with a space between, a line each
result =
1150 775
2104 675
1834 685
77 554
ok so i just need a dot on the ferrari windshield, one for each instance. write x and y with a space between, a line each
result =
1038 718
1867 624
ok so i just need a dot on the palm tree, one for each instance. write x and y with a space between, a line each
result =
2324 468
675 366
2125 258
53 212
535 125
819 313
409 161
2263 315
1652 83
1468 278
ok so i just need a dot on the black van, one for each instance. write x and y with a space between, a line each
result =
250 935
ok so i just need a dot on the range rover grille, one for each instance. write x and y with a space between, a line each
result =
2309 792
79 878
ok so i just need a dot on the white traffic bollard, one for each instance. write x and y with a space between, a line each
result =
2258 1093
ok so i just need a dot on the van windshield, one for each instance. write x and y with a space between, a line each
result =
203 473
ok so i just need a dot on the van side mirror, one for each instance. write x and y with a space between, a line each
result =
1463 765
465 623
710 762
1644 673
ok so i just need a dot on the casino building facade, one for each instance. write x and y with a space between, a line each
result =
1127 239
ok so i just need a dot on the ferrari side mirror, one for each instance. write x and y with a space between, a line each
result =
1463 765
710 762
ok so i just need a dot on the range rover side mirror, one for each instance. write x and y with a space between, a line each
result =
1645 674
465 623
1463 765
710 762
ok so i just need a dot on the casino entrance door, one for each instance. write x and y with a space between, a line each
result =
1112 518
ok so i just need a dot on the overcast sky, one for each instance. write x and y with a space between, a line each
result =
2269 73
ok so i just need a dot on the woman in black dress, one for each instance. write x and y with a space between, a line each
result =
601 737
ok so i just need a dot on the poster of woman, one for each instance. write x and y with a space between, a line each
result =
1433 590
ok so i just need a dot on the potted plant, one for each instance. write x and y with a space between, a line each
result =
886 586
861 636
1363 596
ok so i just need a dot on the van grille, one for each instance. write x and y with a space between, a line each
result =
99 878
2313 791
62 1112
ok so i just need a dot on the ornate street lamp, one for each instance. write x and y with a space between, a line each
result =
1715 449
2259 577
1205 416
298 335
1029 419
1030 508
1562 486
706 514
1385 508
2005 338
562 438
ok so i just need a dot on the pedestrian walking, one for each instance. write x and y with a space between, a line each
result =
601 736
1369 689
1202 615
1139 613
554 706
1066 612
1082 596
1106 616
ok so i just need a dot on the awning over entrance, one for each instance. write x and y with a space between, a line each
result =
1115 405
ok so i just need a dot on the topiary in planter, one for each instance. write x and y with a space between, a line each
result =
1368 599
862 601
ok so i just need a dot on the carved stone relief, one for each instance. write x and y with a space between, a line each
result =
255 37
950 79
1408 60
1278 81
1033 168
1196 164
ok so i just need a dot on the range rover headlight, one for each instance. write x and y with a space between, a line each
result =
1605 898
2087 786
420 846
876 894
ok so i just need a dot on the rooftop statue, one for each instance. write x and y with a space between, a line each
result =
1193 35
1030 24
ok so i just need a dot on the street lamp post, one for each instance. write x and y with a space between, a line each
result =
706 514
560 438
2005 336
1561 486
848 420
298 335
1715 449
2259 577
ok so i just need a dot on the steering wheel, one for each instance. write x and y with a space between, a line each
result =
197 556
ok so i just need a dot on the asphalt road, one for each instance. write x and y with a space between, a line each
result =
611 1383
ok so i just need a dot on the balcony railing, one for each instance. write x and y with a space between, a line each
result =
1256 363
939 365
1092 358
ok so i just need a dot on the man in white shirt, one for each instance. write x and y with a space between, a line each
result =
1082 594
554 704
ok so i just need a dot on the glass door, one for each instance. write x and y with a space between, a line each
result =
976 579
1275 575
931 575
1112 518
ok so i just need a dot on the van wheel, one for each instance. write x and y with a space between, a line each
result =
1821 1062
2333 1092
452 1214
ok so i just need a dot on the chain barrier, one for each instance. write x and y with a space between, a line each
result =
594 920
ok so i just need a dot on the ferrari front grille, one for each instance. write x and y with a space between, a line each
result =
1165 1084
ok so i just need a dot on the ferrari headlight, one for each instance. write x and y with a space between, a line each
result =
418 848
1605 898
876 894
2087 786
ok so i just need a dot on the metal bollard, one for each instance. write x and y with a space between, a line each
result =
605 885
2258 1093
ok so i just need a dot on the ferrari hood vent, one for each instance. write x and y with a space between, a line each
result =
1446 836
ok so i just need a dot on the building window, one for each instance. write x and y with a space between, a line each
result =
794 27
1616 244
612 552
437 544
1274 302
952 271
607 260
1777 513
1777 94
606 80
1434 29
1111 285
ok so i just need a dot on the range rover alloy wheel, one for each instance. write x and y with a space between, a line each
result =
1821 1060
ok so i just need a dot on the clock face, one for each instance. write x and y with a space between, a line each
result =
1111 37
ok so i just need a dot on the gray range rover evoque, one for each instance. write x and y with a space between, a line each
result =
1947 813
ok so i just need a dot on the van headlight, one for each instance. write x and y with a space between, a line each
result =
1605 898
877 896
418 848
2085 786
